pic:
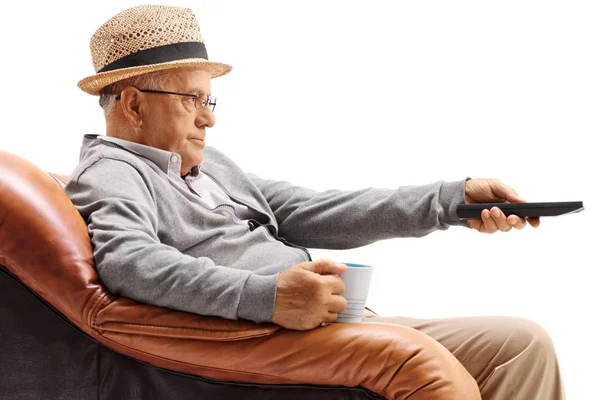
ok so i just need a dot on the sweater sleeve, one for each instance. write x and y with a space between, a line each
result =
119 208
336 219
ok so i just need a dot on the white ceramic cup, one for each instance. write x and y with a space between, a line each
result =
357 279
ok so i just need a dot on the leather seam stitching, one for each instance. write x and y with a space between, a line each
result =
171 327
91 317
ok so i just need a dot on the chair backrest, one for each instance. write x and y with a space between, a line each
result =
45 242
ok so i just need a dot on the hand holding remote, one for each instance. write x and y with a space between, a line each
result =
494 191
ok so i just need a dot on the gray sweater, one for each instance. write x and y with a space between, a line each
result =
154 244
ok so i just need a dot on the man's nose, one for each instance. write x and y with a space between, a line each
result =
206 118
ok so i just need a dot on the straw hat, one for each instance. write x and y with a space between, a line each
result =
145 39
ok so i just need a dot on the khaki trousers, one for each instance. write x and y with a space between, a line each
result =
510 358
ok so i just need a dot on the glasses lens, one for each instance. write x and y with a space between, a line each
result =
203 101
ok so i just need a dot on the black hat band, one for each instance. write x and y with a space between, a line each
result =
160 54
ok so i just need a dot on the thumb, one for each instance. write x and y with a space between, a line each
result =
325 267
513 197
503 191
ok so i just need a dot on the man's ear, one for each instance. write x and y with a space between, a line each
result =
130 105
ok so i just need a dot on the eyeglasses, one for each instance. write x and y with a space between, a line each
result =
201 100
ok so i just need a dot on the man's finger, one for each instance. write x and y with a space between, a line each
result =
337 304
534 222
500 219
325 267
516 222
515 198
335 283
489 225
331 318
475 224
503 191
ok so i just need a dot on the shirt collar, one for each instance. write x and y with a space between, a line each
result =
168 162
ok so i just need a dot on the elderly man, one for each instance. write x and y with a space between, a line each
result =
177 224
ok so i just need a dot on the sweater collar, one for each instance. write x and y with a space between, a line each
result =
168 162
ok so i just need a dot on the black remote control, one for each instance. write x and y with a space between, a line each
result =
545 209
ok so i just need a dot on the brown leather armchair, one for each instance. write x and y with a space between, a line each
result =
64 336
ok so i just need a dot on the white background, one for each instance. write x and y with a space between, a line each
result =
354 94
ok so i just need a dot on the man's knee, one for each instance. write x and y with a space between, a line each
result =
523 337
532 340
430 372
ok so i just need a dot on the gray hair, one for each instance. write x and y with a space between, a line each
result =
152 80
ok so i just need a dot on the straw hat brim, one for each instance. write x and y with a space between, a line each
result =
93 84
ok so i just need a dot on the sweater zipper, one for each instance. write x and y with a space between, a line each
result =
229 194
253 224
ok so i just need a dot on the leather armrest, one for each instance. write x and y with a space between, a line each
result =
127 316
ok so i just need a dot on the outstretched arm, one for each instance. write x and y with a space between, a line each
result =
338 219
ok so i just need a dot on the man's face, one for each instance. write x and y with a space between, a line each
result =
172 123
